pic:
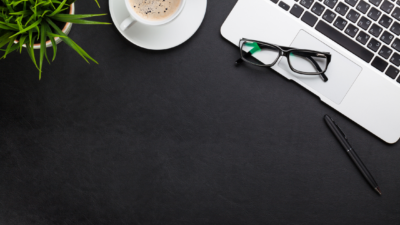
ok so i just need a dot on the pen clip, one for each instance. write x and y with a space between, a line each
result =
338 132
344 136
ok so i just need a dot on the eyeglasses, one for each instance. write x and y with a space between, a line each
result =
302 61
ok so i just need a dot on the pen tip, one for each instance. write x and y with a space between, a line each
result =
378 190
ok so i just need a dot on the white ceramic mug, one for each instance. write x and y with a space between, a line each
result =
136 18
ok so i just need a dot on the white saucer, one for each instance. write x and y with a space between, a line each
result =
164 36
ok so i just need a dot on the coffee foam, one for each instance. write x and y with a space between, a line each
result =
155 10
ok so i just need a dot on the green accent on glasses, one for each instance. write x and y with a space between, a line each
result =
255 46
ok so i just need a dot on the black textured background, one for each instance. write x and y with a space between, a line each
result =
177 137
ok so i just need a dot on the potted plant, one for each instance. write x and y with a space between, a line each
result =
37 24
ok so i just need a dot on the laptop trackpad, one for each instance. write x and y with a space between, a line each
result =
341 71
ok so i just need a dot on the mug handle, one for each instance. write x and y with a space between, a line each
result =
127 23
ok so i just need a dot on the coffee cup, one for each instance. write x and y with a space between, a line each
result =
151 12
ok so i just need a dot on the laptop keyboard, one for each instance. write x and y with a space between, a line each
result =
368 29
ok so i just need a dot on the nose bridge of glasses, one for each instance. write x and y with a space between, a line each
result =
285 53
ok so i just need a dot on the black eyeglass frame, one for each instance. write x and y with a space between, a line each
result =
285 51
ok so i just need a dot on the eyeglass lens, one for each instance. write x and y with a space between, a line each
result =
260 54
305 62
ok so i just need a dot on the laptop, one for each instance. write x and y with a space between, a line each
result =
362 37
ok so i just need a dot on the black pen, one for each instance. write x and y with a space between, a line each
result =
353 155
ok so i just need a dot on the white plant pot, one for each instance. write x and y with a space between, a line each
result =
65 30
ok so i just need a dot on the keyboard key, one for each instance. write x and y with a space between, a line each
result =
351 30
385 21
374 45
340 23
364 23
375 2
398 80
387 6
374 13
309 19
392 72
296 10
375 30
379 64
396 13
351 2
341 8
395 59
284 6
344 41
398 2
274 1
362 37
396 44
363 7
395 28
330 3
329 16
318 8
385 52
353 16
387 37
306 3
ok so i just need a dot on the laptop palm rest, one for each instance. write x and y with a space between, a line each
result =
341 72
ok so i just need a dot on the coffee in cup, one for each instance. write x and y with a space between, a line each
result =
155 10
151 12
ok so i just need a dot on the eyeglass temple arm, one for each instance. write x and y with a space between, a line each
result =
322 75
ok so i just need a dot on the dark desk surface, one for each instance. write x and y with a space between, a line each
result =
177 137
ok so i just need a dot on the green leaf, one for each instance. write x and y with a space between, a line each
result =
58 8
30 27
71 43
44 13
16 3
5 39
9 7
31 18
11 47
42 47
9 50
5 36
29 47
11 25
7 28
22 41
51 36
30 36
53 42
25 12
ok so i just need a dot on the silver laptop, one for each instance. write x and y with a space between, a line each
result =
362 37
